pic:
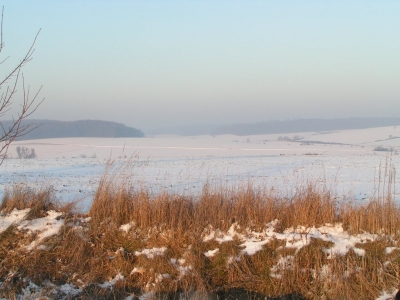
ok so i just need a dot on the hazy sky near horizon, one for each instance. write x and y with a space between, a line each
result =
151 64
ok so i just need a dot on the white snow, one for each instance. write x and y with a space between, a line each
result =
14 217
211 253
125 227
111 282
389 250
31 291
185 164
297 238
353 141
387 295
151 253
44 227
180 266
70 290
160 277
343 241
253 245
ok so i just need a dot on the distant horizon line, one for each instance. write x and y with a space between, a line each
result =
211 123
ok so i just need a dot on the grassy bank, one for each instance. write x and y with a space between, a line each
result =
244 240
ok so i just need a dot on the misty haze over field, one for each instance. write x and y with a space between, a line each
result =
286 126
155 64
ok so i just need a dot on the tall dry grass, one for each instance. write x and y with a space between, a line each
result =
21 197
90 251
116 202
381 214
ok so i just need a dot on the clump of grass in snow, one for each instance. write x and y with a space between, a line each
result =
239 238
22 197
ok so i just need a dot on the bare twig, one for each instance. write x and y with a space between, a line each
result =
29 105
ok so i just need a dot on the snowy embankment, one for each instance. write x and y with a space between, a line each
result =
248 242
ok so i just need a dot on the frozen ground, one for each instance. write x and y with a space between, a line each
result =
343 160
250 243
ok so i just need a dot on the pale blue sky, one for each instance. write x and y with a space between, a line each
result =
162 63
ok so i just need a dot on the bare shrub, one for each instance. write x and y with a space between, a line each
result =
25 153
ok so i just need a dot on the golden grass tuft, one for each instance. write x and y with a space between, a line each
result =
22 197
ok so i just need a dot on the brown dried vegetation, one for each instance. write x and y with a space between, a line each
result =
87 252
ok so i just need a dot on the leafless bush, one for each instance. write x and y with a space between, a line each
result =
25 153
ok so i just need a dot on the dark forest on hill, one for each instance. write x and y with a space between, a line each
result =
44 129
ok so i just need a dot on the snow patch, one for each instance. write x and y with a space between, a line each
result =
14 217
45 227
161 277
296 238
387 295
126 227
151 253
111 282
70 290
179 265
389 250
211 253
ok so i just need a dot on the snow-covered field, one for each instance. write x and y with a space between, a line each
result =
344 160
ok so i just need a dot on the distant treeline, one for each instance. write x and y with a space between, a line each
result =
45 129
278 127
304 125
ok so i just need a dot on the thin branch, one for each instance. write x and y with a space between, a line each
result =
29 105
1 38
27 58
